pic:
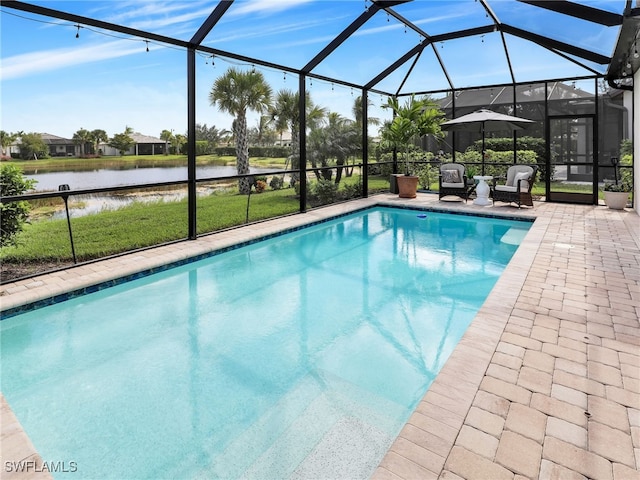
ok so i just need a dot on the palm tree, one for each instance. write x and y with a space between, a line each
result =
236 92
98 136
82 137
357 112
338 139
6 139
167 136
179 141
414 119
287 115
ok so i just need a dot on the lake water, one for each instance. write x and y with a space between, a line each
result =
104 177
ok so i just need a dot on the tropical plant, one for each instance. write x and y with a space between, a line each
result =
617 187
98 136
81 138
412 120
178 142
237 92
14 214
357 112
167 136
262 134
286 114
337 140
6 139
625 184
211 135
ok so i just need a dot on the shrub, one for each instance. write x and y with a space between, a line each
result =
427 174
626 147
500 160
353 190
202 147
261 186
14 214
276 182
326 191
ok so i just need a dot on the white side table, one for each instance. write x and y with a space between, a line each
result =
482 190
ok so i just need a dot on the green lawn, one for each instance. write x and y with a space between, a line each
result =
145 224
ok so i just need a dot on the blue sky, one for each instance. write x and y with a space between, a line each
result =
53 82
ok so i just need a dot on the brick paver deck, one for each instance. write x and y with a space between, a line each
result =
544 384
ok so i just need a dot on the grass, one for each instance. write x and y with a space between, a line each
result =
141 225
146 224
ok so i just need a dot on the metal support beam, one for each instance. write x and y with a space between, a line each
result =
391 68
506 54
191 142
469 32
365 143
408 74
556 45
302 161
79 19
211 21
583 12
337 41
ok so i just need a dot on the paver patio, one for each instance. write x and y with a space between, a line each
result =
544 384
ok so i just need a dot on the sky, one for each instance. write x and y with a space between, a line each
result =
58 77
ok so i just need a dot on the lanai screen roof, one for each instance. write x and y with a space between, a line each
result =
392 46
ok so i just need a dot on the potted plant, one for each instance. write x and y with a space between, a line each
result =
616 195
412 120
472 171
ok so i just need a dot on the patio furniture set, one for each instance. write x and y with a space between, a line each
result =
516 187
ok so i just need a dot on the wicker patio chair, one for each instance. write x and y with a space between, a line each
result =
518 185
453 181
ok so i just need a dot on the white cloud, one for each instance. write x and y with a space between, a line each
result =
57 59
268 6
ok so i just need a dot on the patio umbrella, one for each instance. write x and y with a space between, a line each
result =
483 121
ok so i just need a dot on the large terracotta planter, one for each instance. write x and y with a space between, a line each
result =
616 200
407 186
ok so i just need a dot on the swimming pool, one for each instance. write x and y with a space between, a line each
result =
300 356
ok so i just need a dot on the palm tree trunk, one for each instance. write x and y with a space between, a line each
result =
242 153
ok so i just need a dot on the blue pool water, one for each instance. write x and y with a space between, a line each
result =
301 356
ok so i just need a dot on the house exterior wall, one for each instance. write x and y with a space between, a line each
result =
137 149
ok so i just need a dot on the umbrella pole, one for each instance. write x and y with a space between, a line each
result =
483 149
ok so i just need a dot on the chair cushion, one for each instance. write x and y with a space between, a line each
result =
451 176
524 184
453 185
514 170
506 188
